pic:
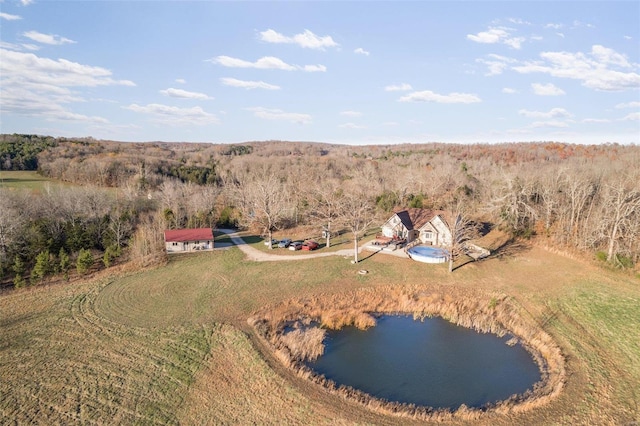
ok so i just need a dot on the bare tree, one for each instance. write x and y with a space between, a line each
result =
356 211
11 222
326 203
621 206
262 198
462 230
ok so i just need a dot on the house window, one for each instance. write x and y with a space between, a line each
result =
174 244
428 235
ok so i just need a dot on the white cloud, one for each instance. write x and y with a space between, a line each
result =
553 113
314 68
26 2
552 124
233 82
181 81
277 114
351 126
596 120
361 51
633 104
266 62
306 39
634 116
548 89
183 94
171 115
51 39
496 64
509 91
554 26
497 35
9 17
597 69
451 98
518 21
351 113
36 86
402 87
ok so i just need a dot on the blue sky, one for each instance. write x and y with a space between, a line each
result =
340 72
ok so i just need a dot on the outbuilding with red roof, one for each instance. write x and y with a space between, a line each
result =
187 240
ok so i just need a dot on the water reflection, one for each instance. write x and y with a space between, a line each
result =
431 363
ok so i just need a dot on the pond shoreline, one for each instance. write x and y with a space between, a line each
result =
487 313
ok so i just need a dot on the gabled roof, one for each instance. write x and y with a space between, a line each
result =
415 218
183 235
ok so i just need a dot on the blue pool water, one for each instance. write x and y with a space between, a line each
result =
428 254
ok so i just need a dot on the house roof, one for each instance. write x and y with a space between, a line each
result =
414 218
182 235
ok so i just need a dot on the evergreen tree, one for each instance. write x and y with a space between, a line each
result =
65 262
84 262
42 267
19 269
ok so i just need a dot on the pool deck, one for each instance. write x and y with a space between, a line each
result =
398 252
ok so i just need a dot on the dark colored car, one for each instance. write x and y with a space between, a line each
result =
309 245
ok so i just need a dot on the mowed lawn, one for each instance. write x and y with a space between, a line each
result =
28 180
171 345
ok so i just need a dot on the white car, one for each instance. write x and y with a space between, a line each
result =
274 243
295 245
284 243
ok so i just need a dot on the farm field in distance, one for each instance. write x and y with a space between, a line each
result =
170 345
24 179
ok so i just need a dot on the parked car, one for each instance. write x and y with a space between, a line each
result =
295 245
274 243
284 243
309 245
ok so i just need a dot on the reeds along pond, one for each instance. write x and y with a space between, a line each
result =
294 330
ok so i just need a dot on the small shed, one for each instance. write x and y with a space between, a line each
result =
188 240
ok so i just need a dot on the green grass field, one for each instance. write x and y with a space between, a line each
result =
171 345
25 180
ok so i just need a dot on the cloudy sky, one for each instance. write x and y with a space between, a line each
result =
341 72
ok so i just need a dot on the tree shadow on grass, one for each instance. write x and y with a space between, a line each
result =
373 253
510 249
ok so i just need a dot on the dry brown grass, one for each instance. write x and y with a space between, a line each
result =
171 344
304 343
489 313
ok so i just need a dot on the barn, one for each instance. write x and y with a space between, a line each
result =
188 240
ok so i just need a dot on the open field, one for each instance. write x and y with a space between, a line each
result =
28 180
171 345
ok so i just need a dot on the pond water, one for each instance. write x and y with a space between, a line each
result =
431 363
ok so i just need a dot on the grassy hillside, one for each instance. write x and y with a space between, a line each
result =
28 180
171 345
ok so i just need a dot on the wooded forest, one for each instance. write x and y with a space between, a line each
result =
118 197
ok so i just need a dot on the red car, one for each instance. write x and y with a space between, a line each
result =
309 245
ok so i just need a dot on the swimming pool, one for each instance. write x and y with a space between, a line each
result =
428 254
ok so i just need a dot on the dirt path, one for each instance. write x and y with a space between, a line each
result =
260 256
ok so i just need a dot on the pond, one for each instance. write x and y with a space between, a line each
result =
431 363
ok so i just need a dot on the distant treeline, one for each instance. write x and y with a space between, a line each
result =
584 198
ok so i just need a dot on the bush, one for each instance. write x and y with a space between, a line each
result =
624 261
111 253
227 219
84 262
42 267
601 256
